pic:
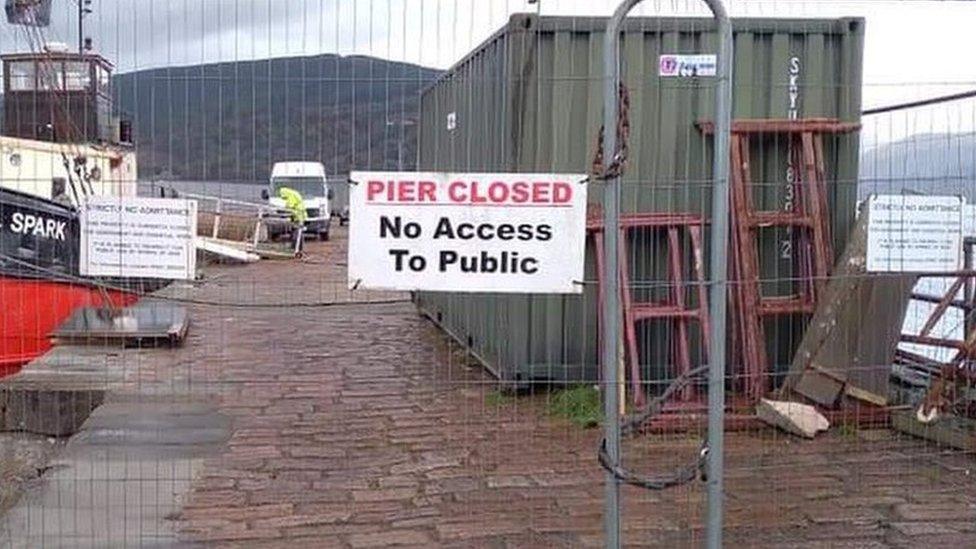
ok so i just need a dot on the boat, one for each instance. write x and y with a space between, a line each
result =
60 143
40 282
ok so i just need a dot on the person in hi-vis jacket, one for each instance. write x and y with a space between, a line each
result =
295 204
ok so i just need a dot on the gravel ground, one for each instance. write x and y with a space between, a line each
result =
23 459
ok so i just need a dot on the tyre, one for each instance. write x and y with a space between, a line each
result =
324 237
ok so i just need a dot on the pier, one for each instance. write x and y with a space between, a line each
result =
348 420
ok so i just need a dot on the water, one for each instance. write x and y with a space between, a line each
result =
244 191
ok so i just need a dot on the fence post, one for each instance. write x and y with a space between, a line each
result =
217 213
719 252
611 274
718 297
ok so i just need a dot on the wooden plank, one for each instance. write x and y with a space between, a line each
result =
225 249
819 388
934 341
823 323
867 396
861 347
853 335
887 297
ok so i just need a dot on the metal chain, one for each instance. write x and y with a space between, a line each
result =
635 423
619 161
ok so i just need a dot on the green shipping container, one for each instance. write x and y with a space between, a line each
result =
530 99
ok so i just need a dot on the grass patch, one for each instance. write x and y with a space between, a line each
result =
847 430
496 398
580 405
934 474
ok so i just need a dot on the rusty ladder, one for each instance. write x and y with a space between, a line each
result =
808 217
675 307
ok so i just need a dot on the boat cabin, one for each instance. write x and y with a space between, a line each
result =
60 96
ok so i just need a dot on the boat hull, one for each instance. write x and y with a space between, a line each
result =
40 281
33 308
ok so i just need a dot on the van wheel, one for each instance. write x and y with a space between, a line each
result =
324 237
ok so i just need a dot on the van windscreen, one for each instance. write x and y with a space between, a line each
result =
306 186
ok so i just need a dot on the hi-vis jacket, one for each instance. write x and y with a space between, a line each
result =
294 203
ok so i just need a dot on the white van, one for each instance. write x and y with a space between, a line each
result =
308 178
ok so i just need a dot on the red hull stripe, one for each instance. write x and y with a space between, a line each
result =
31 309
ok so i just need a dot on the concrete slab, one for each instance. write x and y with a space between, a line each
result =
121 479
793 417
42 410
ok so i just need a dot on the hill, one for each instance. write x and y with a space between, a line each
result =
231 121
942 164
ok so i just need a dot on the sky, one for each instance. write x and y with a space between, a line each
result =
913 49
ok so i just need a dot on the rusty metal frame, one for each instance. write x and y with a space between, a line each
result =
784 126
966 348
674 308
960 369
809 217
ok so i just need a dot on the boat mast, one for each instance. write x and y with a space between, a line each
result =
84 8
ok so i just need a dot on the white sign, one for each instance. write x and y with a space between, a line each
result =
138 237
969 221
467 232
688 65
913 233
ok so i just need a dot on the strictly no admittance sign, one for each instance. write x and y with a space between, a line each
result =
137 237
467 232
915 233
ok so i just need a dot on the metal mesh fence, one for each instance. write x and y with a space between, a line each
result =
267 399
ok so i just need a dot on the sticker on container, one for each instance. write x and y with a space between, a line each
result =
451 121
687 66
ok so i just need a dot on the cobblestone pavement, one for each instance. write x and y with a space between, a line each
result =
357 426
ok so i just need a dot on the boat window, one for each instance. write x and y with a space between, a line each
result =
22 76
77 76
50 75
103 80
59 191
